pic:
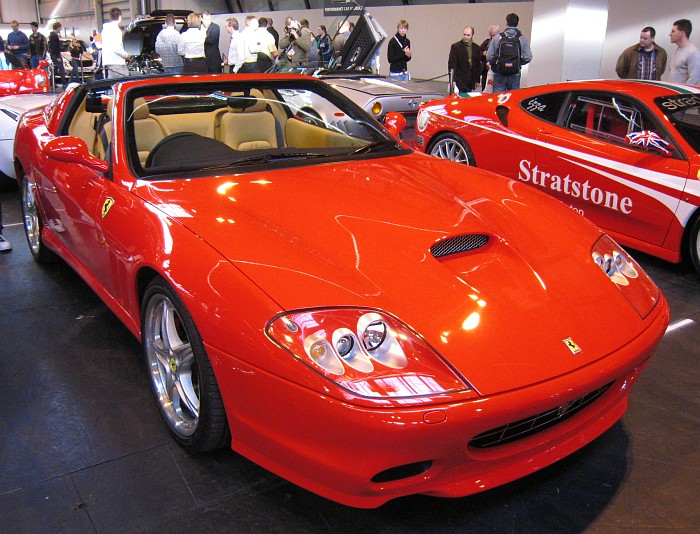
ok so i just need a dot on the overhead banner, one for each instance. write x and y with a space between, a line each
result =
335 8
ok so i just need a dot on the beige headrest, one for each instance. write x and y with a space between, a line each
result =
140 109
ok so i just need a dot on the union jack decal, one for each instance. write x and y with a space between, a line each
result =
648 139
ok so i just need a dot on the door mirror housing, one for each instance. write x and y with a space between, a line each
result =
69 149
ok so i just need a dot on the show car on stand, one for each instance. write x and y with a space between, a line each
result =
365 321
622 153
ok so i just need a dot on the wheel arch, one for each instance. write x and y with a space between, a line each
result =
443 133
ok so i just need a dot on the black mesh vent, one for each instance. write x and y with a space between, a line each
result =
502 114
455 245
527 427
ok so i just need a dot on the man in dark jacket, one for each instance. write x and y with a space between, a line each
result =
59 71
211 43
643 61
465 62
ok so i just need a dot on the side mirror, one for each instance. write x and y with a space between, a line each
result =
69 149
651 141
395 123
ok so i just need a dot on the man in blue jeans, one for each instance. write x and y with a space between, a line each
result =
507 77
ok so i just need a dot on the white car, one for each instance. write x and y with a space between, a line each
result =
12 107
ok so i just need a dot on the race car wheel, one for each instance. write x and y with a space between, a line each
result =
33 225
181 375
693 245
452 147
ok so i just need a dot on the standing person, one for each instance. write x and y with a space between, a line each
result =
191 46
268 50
114 57
251 45
296 42
465 62
4 244
18 43
685 63
493 30
340 37
508 52
643 61
325 46
37 46
234 58
166 46
211 43
399 53
55 54
76 51
274 32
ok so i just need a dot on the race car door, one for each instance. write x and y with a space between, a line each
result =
612 161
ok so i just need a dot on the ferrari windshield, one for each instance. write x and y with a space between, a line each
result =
244 126
684 113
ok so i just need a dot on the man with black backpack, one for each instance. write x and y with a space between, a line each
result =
507 53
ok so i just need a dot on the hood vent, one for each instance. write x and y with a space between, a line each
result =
459 244
502 114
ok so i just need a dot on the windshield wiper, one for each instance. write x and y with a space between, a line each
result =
384 143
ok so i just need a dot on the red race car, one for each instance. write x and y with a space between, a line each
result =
18 81
622 153
359 319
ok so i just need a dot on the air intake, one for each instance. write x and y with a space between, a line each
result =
459 244
502 114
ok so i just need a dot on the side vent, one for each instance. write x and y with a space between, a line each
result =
456 245
502 114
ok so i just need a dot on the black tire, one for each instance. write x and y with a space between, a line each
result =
181 374
452 147
33 224
692 245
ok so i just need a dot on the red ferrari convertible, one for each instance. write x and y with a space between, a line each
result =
622 153
357 318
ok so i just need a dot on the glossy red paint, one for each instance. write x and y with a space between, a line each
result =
241 248
569 140
22 81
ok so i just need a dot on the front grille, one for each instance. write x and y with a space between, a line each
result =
532 425
455 245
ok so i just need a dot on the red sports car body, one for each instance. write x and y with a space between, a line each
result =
23 81
365 321
622 153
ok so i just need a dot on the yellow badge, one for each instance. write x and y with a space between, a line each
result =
109 202
571 344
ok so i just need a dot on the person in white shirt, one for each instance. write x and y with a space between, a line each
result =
191 46
267 46
685 63
114 57
251 45
234 58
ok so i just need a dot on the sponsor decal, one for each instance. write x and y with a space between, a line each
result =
109 202
648 139
674 103
534 106
573 188
503 98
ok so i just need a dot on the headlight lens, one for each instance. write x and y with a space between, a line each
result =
626 274
377 108
370 353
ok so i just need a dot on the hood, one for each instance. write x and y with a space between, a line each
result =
360 234
379 86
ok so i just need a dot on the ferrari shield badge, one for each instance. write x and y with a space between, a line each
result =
571 345
109 202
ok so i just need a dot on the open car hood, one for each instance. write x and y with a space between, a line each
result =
360 234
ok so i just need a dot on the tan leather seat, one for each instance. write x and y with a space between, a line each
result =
250 128
147 130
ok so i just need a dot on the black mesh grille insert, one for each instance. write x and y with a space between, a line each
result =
502 114
527 427
455 245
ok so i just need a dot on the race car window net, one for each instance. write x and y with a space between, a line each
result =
610 118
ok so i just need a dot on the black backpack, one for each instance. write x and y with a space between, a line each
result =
507 60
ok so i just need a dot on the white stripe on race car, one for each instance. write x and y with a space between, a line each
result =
667 180
681 209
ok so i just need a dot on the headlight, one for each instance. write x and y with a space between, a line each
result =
370 353
377 108
626 274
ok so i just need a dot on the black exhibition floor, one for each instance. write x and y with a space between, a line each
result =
83 449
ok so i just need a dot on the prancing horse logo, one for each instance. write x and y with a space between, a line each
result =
109 202
571 345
